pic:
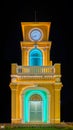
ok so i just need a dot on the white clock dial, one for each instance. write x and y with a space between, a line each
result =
35 34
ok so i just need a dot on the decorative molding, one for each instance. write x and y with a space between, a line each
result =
15 119
55 119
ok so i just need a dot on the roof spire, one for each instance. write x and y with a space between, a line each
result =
35 15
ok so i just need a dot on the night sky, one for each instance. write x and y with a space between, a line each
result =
61 17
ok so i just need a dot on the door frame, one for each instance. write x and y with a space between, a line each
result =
37 90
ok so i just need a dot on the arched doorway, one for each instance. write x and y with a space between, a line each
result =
35 108
35 101
35 57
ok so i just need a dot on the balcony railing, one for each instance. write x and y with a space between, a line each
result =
35 70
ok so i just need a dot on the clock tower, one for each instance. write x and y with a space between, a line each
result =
36 83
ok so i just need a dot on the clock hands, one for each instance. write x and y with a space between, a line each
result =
35 34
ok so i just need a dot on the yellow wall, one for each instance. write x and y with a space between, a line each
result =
19 83
45 47
54 90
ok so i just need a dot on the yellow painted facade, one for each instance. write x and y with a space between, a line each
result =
26 77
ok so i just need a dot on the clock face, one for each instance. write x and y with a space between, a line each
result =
35 34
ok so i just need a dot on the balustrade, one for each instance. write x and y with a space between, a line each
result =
36 70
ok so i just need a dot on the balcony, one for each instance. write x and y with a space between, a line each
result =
35 70
47 73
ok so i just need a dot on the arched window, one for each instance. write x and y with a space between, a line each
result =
35 57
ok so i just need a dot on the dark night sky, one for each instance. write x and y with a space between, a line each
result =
60 16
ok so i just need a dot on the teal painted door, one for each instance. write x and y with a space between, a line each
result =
35 111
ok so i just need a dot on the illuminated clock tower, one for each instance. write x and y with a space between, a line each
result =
36 83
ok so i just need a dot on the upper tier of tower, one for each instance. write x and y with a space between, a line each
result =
35 31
